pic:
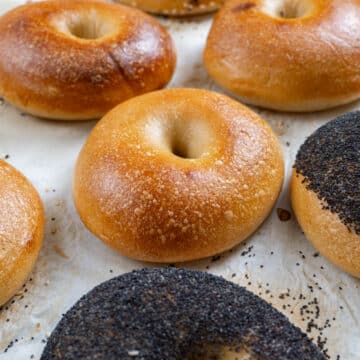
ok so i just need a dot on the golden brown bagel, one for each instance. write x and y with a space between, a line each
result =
177 175
21 230
175 7
77 59
325 191
287 55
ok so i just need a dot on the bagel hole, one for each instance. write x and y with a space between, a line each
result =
287 9
87 26
181 150
219 352
184 139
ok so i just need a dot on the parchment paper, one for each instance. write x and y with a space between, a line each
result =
277 262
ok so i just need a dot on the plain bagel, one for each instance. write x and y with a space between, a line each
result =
287 55
175 7
21 230
77 59
177 174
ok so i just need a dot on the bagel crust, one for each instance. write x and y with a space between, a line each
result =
21 230
175 7
324 229
77 59
177 175
287 55
325 190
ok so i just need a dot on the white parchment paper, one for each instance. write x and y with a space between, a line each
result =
277 263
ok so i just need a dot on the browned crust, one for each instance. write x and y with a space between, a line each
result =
302 64
21 230
151 205
324 228
175 7
52 74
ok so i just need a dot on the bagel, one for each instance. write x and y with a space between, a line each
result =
175 314
177 174
77 59
325 191
21 230
287 55
175 7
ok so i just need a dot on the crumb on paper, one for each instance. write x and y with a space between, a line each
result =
283 214
60 251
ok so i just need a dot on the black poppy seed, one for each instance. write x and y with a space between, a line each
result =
247 251
173 319
329 161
